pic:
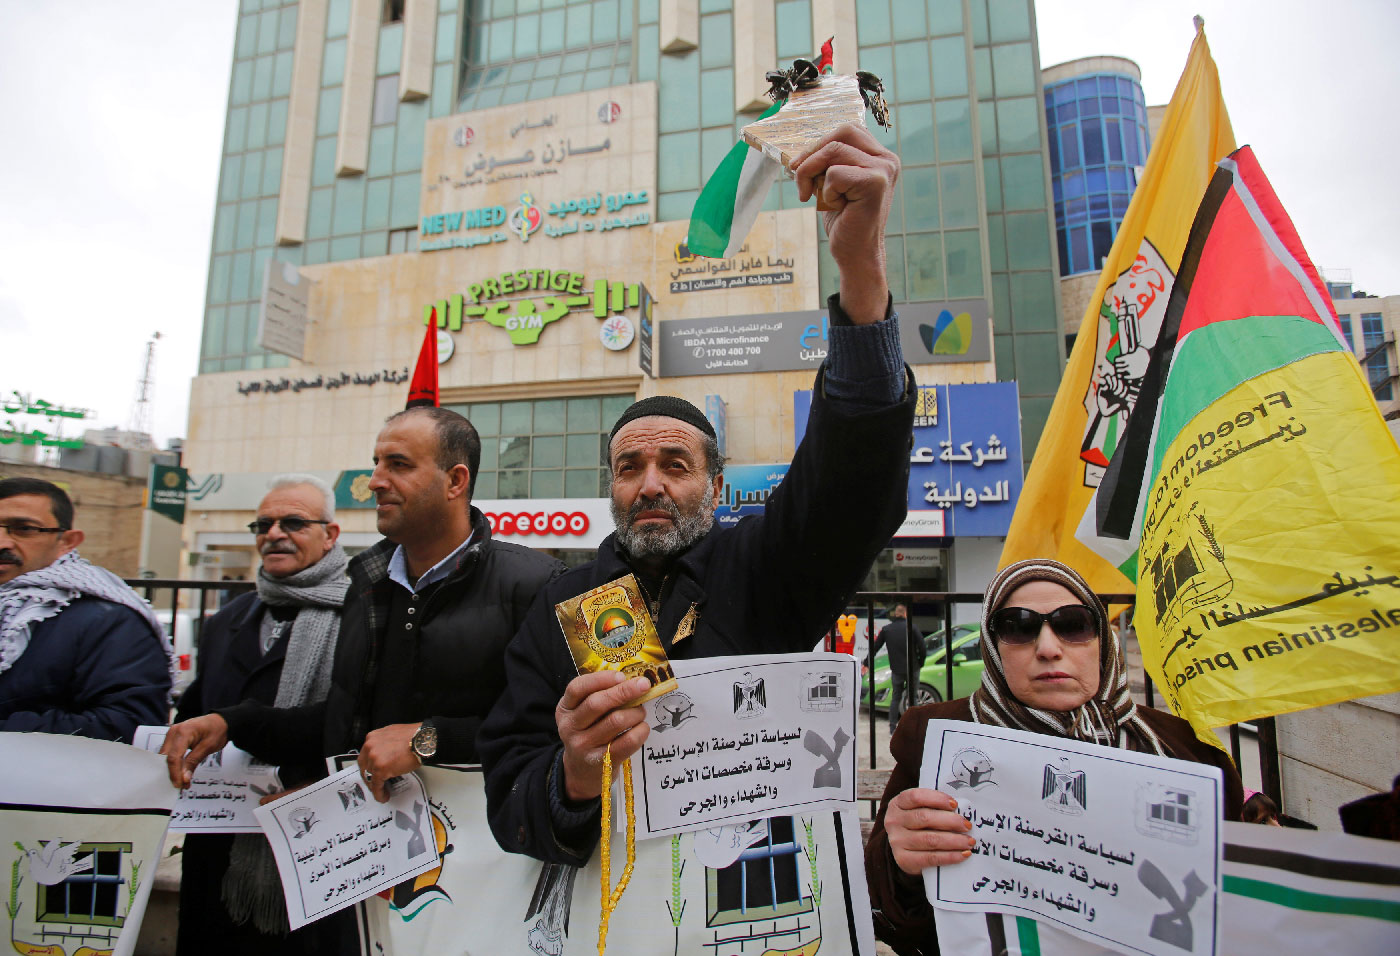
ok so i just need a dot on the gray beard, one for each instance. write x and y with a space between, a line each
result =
664 542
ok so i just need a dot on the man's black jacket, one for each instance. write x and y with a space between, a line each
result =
771 584
455 664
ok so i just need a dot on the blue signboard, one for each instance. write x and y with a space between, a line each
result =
718 413
966 459
746 488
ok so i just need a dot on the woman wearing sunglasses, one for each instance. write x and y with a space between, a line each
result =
1053 666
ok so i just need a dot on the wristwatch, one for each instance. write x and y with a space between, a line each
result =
425 740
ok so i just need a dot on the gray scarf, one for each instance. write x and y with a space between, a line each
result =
251 888
40 594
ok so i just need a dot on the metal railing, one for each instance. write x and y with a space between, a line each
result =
1269 771
206 603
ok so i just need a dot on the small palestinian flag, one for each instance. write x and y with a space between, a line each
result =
730 202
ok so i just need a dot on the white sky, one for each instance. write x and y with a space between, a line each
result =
112 117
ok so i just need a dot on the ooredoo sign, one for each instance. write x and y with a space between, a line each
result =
575 523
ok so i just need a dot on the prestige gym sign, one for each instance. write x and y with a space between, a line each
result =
524 301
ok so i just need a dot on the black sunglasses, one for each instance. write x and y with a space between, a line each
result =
290 524
1073 624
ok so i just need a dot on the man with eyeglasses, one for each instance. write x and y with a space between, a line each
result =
274 646
80 652
430 610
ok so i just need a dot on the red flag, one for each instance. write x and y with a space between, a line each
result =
423 390
826 62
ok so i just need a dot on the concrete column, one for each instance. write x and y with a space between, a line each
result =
680 25
357 93
836 18
755 53
416 70
295 192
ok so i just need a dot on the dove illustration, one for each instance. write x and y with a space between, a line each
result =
54 863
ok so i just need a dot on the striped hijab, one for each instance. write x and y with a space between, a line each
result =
1096 721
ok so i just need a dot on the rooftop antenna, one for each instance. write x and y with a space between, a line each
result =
140 420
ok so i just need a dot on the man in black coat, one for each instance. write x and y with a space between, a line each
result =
904 643
80 652
771 584
273 646
427 618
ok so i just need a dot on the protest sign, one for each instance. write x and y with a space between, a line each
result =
1283 891
81 827
797 887
1118 848
745 738
223 792
335 844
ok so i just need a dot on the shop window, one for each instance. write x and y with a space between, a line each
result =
544 448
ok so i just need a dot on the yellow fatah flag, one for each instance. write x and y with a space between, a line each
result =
1110 355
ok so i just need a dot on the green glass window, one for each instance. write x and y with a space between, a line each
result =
257 126
678 161
959 195
920 186
907 19
1033 301
224 221
403 202
794 28
252 175
996 245
1009 20
247 225
1027 239
1024 178
1012 66
949 58
446 45
911 71
944 17
349 206
873 22
954 130
318 215
267 221
390 52
527 35
377 204
277 122
1018 124
716 40
963 252
333 63
916 133
328 113
247 42
381 151
924 280
323 162
262 77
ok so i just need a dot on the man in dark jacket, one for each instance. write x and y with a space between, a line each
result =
274 646
771 584
80 652
427 618
904 643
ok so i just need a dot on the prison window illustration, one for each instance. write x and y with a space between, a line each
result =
95 896
762 884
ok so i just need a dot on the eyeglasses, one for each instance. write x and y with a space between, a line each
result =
23 532
290 524
1073 624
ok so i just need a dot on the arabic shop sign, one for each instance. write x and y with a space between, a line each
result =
773 342
166 488
965 466
524 318
330 382
17 433
527 217
746 489
737 272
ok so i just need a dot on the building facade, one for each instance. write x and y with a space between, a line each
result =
521 173
1099 134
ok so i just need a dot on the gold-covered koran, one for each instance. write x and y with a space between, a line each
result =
609 628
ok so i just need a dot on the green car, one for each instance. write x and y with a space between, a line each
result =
933 679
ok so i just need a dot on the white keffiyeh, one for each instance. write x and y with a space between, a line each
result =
38 595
